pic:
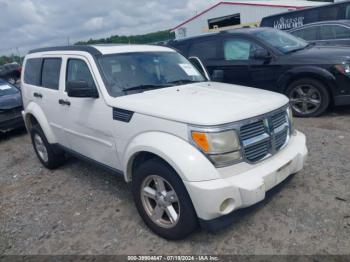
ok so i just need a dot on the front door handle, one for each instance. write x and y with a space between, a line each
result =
64 102
38 95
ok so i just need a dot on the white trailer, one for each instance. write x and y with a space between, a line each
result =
230 14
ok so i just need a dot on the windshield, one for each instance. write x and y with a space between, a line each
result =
148 70
284 42
6 89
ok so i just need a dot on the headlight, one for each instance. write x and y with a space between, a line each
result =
291 119
222 148
344 69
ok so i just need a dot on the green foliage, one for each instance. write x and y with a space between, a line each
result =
10 59
132 39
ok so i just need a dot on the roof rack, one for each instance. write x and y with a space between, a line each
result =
84 48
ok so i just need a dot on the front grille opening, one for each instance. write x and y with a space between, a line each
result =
258 151
277 129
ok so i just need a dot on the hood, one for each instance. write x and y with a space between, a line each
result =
321 55
10 101
205 103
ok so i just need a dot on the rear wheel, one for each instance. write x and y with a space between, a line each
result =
308 97
162 200
48 154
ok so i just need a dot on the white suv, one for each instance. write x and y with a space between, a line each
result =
194 150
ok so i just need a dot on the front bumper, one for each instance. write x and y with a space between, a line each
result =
243 185
11 124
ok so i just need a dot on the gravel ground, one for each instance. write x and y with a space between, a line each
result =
80 209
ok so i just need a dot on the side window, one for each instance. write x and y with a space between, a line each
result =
204 50
51 73
347 12
329 13
32 71
77 70
240 49
334 32
307 34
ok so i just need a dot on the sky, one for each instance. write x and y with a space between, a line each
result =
27 24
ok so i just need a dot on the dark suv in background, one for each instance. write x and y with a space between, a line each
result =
332 33
10 72
312 77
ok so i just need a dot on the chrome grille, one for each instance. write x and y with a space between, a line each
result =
257 152
252 130
265 136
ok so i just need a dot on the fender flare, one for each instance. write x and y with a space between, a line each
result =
190 164
34 110
308 71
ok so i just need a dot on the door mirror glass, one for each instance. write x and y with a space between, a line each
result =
218 76
197 63
80 88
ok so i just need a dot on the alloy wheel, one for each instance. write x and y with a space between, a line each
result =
305 99
40 148
160 201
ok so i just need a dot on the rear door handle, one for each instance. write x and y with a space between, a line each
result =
38 95
64 102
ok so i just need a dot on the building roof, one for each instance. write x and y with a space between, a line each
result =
105 49
294 4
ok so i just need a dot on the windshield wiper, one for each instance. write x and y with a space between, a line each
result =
182 81
301 48
144 87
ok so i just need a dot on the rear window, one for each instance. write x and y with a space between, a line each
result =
51 73
32 72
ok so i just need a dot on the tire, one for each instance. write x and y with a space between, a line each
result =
186 221
311 92
53 157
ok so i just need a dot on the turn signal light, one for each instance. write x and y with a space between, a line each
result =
201 140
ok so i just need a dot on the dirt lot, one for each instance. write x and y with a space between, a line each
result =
80 209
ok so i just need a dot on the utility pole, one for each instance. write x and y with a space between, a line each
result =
19 55
68 41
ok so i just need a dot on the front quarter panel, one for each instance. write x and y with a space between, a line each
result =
190 164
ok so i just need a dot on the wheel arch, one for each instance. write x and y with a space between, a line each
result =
187 161
322 75
34 115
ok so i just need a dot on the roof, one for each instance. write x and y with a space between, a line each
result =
294 4
112 49
104 49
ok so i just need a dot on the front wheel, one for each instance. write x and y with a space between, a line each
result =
308 97
162 200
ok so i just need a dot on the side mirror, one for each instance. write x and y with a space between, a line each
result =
79 88
197 63
218 75
261 54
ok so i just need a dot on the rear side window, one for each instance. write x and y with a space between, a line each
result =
51 73
204 50
77 70
334 32
32 72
